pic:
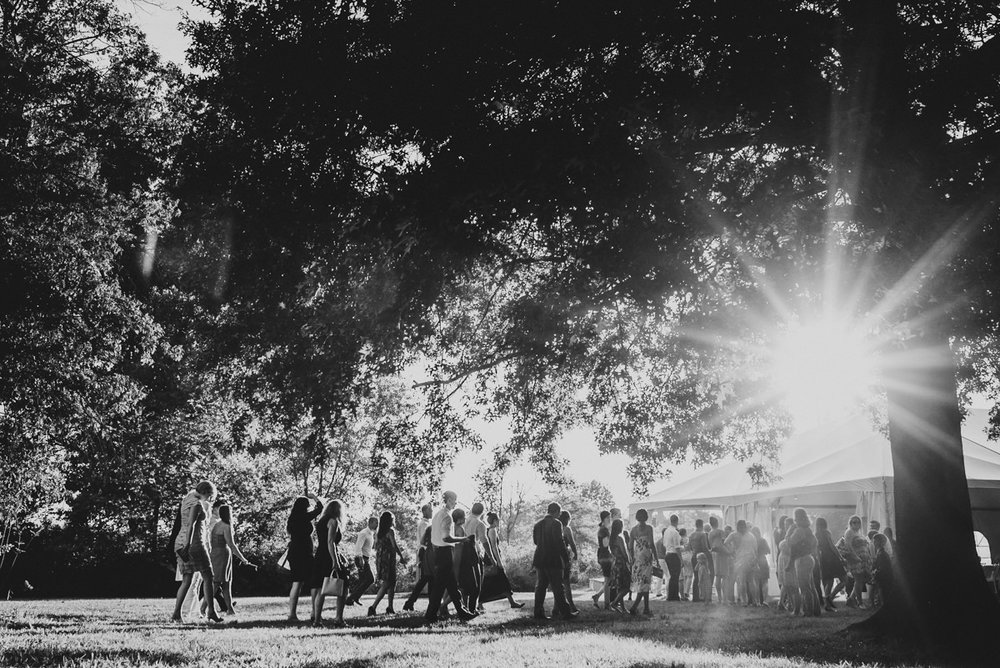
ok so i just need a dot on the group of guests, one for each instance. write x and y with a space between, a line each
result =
733 564
458 560
204 544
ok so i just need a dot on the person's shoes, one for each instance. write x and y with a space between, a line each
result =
408 607
541 615
390 611
574 613
647 612
596 600
574 610
632 611
339 624
371 611
466 615
215 618
516 605
175 618
480 610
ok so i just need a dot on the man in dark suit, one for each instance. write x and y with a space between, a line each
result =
550 559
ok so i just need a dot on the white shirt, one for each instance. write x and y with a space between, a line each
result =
363 547
441 527
671 540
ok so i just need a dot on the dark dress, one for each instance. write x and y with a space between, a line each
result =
322 566
830 564
604 553
300 545
621 571
385 562
496 585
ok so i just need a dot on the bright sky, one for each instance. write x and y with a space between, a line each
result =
160 19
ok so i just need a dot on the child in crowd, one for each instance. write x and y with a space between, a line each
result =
882 575
705 579
687 570
786 582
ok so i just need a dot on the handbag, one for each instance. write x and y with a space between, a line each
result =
657 572
184 553
283 561
333 586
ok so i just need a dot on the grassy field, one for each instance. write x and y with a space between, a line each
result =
114 633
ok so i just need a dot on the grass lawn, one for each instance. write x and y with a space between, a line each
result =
112 633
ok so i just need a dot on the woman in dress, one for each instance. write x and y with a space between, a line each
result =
621 567
802 560
643 561
831 567
223 550
605 560
386 553
300 549
854 549
743 546
198 549
328 561
496 584
763 571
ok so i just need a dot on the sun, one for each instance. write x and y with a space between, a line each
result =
823 369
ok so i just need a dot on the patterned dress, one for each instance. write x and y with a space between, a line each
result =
620 571
644 558
385 563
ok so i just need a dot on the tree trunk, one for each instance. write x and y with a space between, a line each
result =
941 595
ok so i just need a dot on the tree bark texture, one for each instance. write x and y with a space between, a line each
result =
941 595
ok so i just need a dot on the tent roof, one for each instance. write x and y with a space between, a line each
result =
842 457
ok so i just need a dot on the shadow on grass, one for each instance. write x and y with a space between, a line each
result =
60 657
355 663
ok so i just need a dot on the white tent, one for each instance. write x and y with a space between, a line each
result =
845 466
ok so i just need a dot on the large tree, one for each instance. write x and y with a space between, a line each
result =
558 163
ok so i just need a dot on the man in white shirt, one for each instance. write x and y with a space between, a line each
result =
363 559
443 539
424 579
672 548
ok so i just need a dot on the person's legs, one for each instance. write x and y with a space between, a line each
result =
674 569
227 598
475 586
318 599
541 585
293 601
209 590
560 605
379 595
568 588
424 581
182 593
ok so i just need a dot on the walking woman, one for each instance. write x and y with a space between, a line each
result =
496 584
644 559
386 553
854 548
621 566
830 564
329 562
300 549
801 555
223 550
605 560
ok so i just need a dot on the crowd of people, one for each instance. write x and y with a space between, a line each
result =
460 563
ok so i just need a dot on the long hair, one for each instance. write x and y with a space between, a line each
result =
300 508
617 526
333 510
385 523
604 515
225 514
